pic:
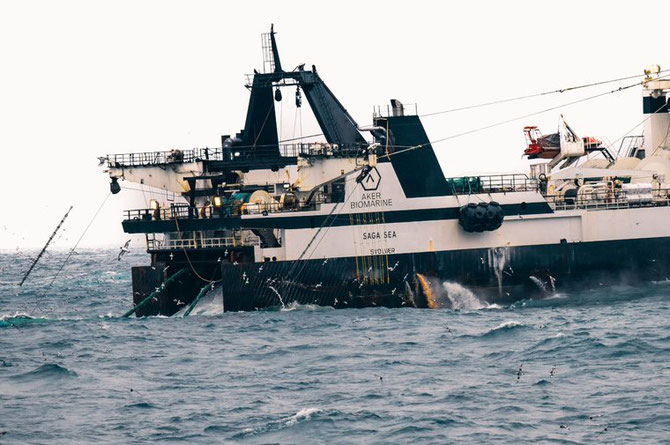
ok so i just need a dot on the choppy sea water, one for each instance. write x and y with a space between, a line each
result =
588 367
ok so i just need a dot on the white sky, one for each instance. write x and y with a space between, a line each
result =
83 79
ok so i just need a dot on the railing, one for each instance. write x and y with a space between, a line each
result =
184 211
492 184
239 153
610 201
629 144
388 111
163 157
200 242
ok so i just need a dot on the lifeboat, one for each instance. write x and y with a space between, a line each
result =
539 146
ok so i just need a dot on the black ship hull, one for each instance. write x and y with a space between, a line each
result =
422 280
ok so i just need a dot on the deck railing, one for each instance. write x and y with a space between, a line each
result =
184 211
465 185
199 242
240 153
609 201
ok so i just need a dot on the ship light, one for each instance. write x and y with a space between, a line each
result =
217 201
654 69
153 204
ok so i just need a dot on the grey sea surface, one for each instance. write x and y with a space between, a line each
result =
587 367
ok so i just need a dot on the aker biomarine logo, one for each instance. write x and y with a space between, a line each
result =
370 179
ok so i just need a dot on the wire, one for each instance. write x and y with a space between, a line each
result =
67 258
176 222
301 137
507 121
611 145
297 261
528 96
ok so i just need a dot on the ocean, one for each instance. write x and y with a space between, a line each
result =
586 367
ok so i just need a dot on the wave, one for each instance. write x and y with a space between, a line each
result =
506 326
210 304
19 319
277 425
303 414
47 371
295 306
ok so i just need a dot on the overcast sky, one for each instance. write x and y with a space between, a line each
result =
83 79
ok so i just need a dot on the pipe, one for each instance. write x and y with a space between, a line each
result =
153 294
201 294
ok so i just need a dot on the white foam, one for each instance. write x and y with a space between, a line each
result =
462 298
210 304
294 305
303 414
17 314
539 283
508 324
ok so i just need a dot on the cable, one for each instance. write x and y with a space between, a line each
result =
301 137
497 124
297 261
176 221
545 93
39 300
611 145
263 126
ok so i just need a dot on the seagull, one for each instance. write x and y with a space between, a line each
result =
319 285
179 302
123 250
101 160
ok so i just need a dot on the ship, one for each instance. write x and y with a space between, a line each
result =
366 217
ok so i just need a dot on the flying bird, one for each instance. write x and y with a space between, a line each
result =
123 250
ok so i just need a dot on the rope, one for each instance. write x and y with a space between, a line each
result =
528 96
301 137
176 221
67 258
611 145
332 221
263 126
497 124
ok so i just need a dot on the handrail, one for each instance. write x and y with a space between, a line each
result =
199 242
610 200
237 153
464 185
184 211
